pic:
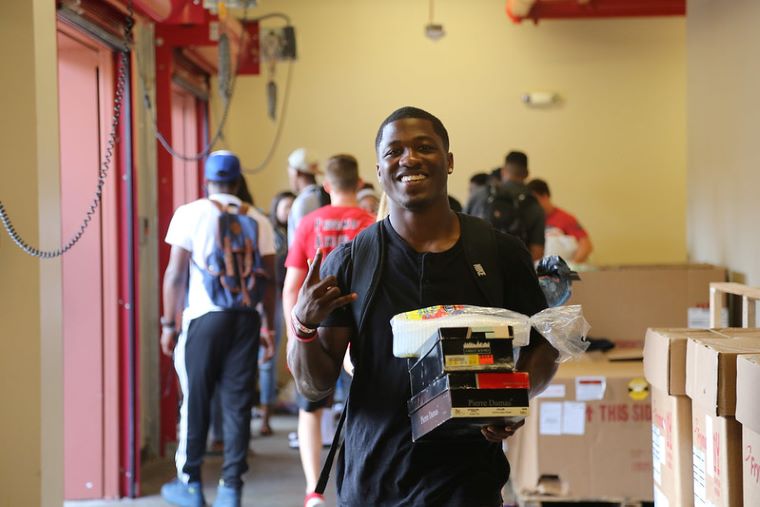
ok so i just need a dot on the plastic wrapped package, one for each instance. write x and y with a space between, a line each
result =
412 329
563 326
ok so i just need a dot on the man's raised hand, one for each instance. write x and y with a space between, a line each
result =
318 298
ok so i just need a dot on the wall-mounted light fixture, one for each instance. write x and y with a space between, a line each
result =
541 99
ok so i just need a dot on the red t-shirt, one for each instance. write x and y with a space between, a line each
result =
325 228
567 223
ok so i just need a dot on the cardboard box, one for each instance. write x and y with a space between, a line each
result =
711 369
588 435
748 414
665 370
671 449
716 435
665 356
621 302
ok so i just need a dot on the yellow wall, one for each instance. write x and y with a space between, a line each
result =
30 370
723 177
613 152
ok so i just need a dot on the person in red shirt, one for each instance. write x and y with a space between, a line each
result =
322 229
560 222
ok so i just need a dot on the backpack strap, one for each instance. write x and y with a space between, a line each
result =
217 204
369 248
481 252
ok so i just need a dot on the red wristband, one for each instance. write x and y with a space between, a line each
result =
303 338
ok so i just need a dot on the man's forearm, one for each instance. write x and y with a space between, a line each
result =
311 364
584 250
173 289
539 360
313 368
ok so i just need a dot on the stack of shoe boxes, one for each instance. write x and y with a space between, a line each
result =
465 378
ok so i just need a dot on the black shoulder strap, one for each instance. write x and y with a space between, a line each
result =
367 254
481 252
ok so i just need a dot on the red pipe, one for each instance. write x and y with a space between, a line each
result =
157 10
172 11
573 9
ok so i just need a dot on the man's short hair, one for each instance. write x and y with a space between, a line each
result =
342 172
517 161
480 179
414 112
539 187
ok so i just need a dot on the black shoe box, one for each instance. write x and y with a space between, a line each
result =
457 405
457 349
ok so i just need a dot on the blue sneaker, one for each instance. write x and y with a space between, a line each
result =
227 496
178 493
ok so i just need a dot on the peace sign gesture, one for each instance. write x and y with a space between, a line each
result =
318 298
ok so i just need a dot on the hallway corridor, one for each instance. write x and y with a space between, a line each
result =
274 479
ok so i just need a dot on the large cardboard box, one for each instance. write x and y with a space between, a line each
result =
665 370
716 441
621 302
748 414
588 436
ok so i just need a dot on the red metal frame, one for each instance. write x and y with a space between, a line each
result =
573 9
201 112
125 312
165 195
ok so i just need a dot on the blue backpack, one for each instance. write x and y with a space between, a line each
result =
234 276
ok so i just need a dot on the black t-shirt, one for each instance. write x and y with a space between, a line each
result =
379 465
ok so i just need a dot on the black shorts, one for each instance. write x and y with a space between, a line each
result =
313 406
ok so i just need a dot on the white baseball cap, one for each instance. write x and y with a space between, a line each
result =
303 161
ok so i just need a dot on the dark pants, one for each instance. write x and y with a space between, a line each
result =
218 352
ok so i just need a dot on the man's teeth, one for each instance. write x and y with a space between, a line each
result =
413 177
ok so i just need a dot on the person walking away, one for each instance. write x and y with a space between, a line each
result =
303 168
268 369
321 231
221 261
510 206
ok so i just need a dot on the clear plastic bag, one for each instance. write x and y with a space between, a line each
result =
564 326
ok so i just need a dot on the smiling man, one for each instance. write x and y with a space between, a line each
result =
423 261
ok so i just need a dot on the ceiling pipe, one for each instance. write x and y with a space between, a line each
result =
573 9
172 11
517 10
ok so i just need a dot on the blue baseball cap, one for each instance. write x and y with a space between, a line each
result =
223 166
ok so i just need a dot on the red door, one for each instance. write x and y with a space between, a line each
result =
90 271
185 141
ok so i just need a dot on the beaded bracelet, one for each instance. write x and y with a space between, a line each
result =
302 333
299 325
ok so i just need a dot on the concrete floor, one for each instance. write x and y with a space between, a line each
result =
274 479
